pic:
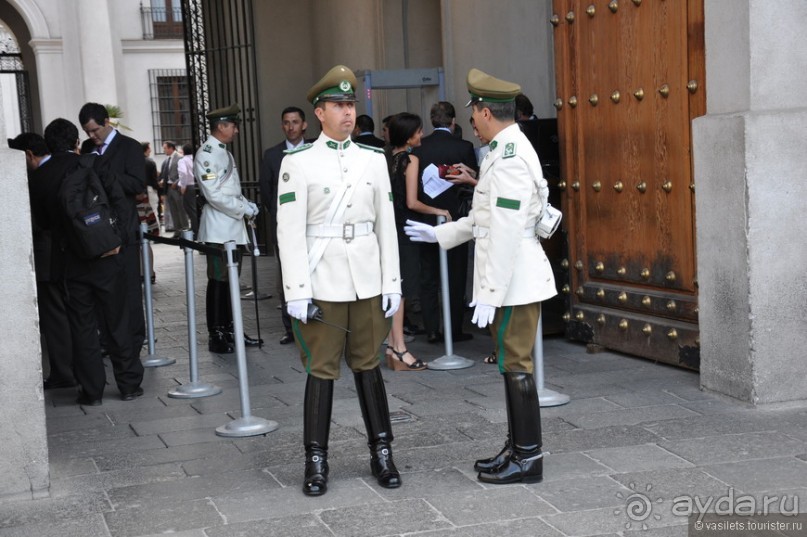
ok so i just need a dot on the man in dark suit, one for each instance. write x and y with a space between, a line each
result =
121 159
438 148
95 287
292 121
363 132
44 179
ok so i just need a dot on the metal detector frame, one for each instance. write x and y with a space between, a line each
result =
400 79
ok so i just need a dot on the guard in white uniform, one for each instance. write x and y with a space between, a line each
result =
222 221
512 274
339 251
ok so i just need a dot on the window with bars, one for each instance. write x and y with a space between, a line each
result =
163 20
170 107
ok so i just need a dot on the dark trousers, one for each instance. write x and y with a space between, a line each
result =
284 314
55 328
457 263
178 215
189 204
134 295
101 284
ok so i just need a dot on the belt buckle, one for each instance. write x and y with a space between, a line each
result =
348 235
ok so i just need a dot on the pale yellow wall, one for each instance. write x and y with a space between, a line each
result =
297 41
509 39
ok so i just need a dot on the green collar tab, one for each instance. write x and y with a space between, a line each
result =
337 145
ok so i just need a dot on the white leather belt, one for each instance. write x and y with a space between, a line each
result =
481 232
339 231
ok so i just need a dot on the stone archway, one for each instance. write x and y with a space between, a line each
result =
25 20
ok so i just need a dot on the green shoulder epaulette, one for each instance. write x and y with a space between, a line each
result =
509 150
298 149
370 147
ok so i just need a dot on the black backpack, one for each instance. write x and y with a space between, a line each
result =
93 230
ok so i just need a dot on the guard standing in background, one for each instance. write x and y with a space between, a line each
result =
511 272
334 197
222 221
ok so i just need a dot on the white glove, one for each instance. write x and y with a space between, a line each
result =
299 309
483 314
251 210
419 232
390 303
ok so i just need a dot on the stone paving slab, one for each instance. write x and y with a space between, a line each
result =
121 417
191 488
431 485
149 457
388 518
71 467
87 526
711 425
628 416
667 484
734 447
560 466
53 509
490 505
582 493
290 526
166 516
102 481
761 475
289 501
637 458
91 449
602 437
522 527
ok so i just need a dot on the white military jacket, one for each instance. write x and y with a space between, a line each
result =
309 180
217 178
510 266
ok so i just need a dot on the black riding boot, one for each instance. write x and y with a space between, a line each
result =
375 411
227 316
217 336
498 460
316 427
525 463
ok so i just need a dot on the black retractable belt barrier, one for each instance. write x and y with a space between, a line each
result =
195 388
247 424
449 360
152 360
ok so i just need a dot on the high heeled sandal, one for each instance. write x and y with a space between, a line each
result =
401 365
491 359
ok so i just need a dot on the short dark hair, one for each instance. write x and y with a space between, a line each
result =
292 110
170 143
93 111
365 123
29 141
523 106
187 149
501 111
61 135
442 114
145 145
402 127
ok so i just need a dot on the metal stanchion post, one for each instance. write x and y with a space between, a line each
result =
246 425
194 388
546 397
449 360
152 360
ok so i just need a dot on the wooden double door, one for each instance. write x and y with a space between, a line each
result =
630 78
